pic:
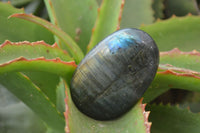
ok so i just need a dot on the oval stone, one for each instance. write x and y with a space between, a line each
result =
114 75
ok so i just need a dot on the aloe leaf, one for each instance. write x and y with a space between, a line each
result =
77 23
60 91
70 45
30 52
10 51
188 61
108 21
20 30
170 79
181 8
177 69
46 81
180 32
137 12
133 121
55 66
172 119
32 96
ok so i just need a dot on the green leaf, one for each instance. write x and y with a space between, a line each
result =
188 61
12 111
70 45
134 121
109 16
31 51
33 97
168 79
54 66
177 69
47 82
74 17
60 91
20 30
42 56
172 119
137 12
180 32
181 8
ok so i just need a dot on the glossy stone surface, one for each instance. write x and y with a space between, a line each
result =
115 74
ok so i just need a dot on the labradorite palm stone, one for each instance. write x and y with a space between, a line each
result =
114 75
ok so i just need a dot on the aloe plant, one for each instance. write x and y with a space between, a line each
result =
38 59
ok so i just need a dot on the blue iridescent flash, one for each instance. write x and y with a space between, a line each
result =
122 41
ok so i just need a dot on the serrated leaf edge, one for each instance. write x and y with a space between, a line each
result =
146 116
9 3
178 51
171 72
55 45
70 44
166 20
56 60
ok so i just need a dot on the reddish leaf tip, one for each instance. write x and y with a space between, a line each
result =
146 116
13 15
173 16
176 51
66 113
158 20
120 14
177 69
179 74
189 14
7 42
57 60
19 15
55 45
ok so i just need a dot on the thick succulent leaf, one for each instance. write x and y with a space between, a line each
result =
47 82
70 45
172 119
10 51
180 32
60 91
158 7
25 53
108 20
181 7
22 87
137 12
12 111
134 121
177 69
188 61
168 79
75 17
19 30
54 66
